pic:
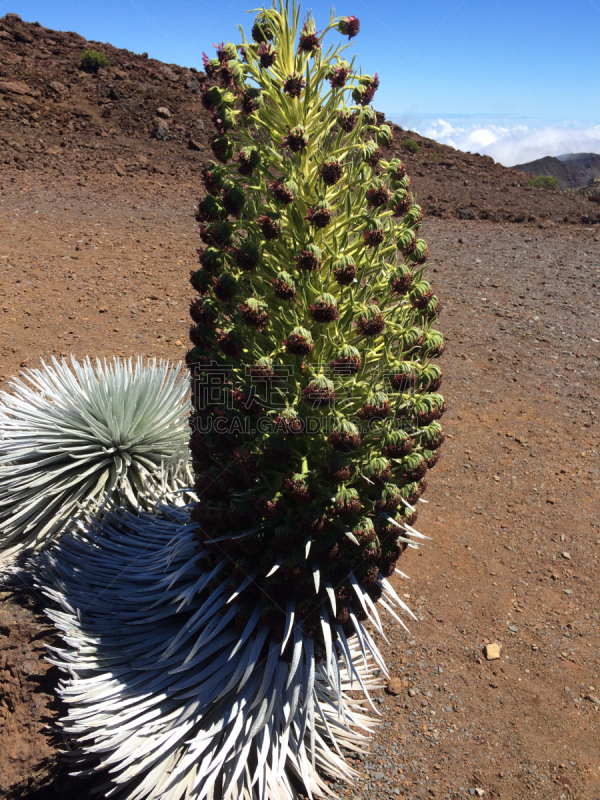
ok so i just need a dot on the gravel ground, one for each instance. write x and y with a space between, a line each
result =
512 506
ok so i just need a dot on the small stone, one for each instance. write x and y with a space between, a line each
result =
163 112
58 87
568 592
513 629
162 130
395 686
566 555
193 145
550 500
593 699
491 651
412 692
120 171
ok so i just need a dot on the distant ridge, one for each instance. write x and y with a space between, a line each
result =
573 170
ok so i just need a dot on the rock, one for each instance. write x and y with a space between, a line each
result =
143 161
23 36
412 692
163 112
10 15
465 213
162 130
194 145
168 73
58 87
120 74
5 35
593 699
14 87
395 686
566 555
120 171
491 651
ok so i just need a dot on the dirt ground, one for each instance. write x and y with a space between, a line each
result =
97 239
512 506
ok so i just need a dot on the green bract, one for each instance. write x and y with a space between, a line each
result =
313 387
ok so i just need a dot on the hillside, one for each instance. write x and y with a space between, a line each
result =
143 117
573 170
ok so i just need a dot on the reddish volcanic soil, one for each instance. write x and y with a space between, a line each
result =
96 244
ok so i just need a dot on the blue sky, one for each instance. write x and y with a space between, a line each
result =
517 80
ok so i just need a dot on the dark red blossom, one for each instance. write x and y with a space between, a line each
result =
336 469
290 424
324 309
319 216
299 343
281 193
225 287
347 503
401 205
271 228
375 411
373 237
404 381
344 441
261 31
267 55
208 178
296 140
346 363
307 260
401 283
375 158
331 172
245 401
230 343
247 256
345 274
347 120
319 392
203 311
371 325
308 41
284 286
294 84
253 313
349 26
378 195
338 77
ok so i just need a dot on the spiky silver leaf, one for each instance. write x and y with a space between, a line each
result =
171 697
72 435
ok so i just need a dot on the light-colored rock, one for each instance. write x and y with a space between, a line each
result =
58 87
491 651
163 112
14 87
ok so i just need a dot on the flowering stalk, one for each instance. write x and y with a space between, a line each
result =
317 318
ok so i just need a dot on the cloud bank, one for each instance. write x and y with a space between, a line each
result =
510 143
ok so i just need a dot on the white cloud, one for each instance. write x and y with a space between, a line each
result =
511 143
